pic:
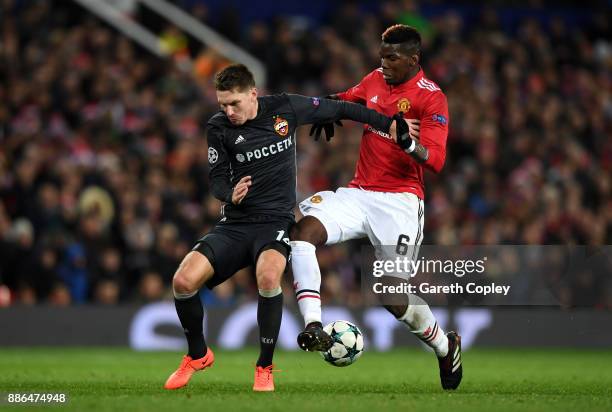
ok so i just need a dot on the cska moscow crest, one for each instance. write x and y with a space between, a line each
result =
281 126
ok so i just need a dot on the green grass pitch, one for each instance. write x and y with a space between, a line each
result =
118 379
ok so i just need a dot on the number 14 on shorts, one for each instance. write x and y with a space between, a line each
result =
281 237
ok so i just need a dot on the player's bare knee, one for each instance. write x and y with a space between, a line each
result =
182 283
268 279
295 233
310 230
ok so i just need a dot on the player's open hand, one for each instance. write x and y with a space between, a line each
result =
241 189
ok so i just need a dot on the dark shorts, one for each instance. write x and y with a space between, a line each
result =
232 246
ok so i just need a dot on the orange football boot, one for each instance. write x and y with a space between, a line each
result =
264 380
188 367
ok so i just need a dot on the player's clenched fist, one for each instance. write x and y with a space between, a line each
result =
241 189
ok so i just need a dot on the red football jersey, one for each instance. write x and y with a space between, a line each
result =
383 166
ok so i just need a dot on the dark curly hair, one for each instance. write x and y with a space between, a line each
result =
400 33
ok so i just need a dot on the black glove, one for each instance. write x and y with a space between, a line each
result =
403 131
317 128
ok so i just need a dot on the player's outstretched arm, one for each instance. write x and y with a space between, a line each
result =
310 110
318 129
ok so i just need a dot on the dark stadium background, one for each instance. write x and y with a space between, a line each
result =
104 188
103 166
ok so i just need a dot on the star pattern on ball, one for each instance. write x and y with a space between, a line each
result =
348 343
352 352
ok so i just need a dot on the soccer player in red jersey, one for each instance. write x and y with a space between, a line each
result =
384 201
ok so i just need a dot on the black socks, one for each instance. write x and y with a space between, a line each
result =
191 315
269 315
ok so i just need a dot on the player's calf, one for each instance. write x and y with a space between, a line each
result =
419 319
307 283
269 269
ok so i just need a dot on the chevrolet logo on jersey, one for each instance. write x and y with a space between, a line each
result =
378 132
281 126
266 151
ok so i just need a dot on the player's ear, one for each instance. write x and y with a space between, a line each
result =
254 92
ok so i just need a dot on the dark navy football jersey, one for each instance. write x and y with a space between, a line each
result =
264 148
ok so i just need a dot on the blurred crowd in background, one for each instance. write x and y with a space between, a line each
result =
103 155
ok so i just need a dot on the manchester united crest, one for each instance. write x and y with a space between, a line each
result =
403 105
281 126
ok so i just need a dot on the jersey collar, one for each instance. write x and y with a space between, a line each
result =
260 107
410 82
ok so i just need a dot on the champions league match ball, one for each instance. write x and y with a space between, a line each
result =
348 343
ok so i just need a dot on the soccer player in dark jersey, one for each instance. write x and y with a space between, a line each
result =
251 152
384 201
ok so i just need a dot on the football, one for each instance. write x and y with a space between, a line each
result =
348 343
